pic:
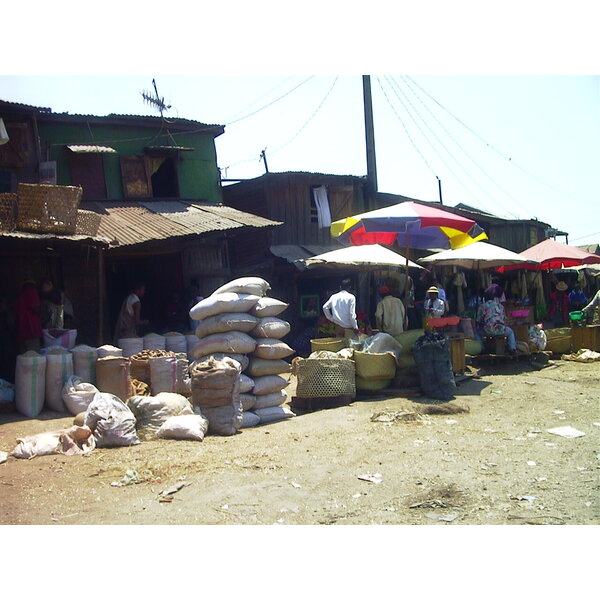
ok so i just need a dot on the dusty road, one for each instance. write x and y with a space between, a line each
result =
493 464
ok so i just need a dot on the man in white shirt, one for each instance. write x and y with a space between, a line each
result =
434 307
340 309
390 313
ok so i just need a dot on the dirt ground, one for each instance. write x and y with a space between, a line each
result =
489 460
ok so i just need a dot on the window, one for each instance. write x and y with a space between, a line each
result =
149 176
87 170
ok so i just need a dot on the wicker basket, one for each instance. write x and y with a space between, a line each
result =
324 378
328 343
88 222
372 366
8 212
44 208
372 385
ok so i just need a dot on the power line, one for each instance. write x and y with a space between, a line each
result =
494 182
585 236
507 158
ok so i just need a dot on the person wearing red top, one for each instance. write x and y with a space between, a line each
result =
29 321
559 305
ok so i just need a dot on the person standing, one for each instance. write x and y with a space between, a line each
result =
595 302
559 305
434 307
340 309
577 298
29 321
390 313
129 319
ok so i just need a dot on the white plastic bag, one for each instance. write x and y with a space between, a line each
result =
184 427
151 412
245 285
64 338
78 394
220 303
111 421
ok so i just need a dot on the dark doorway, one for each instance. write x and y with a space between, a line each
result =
164 181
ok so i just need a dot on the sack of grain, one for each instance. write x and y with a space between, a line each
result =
224 420
111 421
232 341
271 348
184 427
84 363
271 327
246 383
268 307
108 350
153 341
268 400
241 359
248 401
151 412
245 285
221 303
163 374
59 367
112 376
175 342
249 419
77 394
273 413
131 345
267 384
30 383
215 383
258 367
225 322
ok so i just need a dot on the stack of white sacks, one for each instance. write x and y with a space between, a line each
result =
241 322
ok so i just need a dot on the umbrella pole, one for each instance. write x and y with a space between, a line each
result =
406 282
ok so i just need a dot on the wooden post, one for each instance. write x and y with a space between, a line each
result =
101 294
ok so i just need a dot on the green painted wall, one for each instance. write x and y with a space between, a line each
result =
198 175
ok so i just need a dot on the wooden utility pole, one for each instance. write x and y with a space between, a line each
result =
264 158
370 140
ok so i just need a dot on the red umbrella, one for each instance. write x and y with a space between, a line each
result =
551 254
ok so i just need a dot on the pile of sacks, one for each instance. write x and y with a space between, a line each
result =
240 323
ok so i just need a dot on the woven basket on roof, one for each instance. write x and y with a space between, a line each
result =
324 378
329 343
371 366
8 212
45 208
88 222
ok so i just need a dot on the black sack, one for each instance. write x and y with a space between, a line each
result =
432 355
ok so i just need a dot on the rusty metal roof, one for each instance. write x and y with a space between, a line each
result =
127 223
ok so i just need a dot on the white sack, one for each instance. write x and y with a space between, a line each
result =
246 383
175 342
111 421
84 363
233 341
59 367
78 394
72 441
63 338
30 383
268 307
131 345
224 420
184 427
163 374
226 322
274 413
271 327
245 285
268 400
151 412
267 384
153 341
249 419
107 351
272 348
248 401
241 359
260 366
220 303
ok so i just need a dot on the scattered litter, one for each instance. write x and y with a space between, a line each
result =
550 444
167 495
356 495
588 504
582 355
559 412
3 457
531 463
129 478
528 498
225 507
572 379
419 441
296 485
484 468
493 464
389 417
567 431
451 421
541 479
375 478
448 518
429 504
495 392
596 424
389 508
581 469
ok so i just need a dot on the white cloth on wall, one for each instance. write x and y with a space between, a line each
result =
322 204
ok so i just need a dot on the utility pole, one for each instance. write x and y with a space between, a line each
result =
264 158
370 140
439 188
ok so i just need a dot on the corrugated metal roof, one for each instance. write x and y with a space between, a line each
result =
25 235
92 149
128 223
293 252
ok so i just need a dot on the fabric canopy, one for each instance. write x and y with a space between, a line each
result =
372 255
411 225
551 254
479 255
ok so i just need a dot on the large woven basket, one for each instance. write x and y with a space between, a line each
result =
371 366
8 212
324 378
44 208
329 343
88 222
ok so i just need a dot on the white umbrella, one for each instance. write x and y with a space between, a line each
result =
369 255
479 255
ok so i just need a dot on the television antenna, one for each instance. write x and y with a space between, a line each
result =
156 101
